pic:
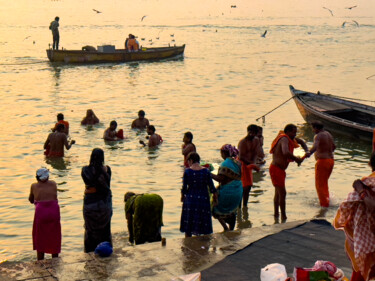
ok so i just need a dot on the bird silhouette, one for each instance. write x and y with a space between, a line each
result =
329 10
172 35
264 34
143 18
143 39
352 7
26 38
233 6
356 23
343 24
157 38
98 12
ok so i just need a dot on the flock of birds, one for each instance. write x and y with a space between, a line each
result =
345 22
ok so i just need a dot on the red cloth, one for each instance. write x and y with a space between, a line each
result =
247 174
47 227
120 134
50 153
323 170
278 176
291 143
65 123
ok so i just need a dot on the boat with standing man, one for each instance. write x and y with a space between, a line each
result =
338 114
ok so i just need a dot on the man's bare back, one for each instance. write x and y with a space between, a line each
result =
43 191
323 145
56 142
249 150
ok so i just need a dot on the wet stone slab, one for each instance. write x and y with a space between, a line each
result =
142 262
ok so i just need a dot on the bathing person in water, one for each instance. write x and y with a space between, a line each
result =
56 141
141 122
90 118
60 120
154 139
46 227
110 134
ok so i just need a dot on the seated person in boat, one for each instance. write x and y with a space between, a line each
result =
153 139
110 134
90 118
131 44
141 122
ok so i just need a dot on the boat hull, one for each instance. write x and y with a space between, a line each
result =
332 111
78 56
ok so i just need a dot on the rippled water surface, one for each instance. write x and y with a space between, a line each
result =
228 77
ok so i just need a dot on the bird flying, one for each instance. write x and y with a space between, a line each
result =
98 12
233 6
143 18
356 23
352 7
26 38
343 24
264 34
329 10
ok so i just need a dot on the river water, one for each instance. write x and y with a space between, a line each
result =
228 77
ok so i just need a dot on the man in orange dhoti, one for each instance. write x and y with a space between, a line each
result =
282 154
249 152
323 148
356 217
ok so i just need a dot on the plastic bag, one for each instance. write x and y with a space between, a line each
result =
273 272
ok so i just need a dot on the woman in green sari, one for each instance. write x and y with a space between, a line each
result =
230 188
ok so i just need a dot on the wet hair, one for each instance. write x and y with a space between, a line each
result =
372 161
128 195
152 128
113 123
252 128
141 113
290 128
97 157
60 116
189 135
194 157
317 125
60 127
57 18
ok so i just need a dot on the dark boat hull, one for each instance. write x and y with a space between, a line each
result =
78 56
338 115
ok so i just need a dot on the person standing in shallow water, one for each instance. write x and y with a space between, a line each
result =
188 147
282 149
196 209
46 227
323 148
54 27
97 202
55 142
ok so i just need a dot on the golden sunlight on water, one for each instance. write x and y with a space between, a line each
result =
228 77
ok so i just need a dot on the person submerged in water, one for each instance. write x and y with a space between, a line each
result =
153 139
90 118
141 122
54 145
110 134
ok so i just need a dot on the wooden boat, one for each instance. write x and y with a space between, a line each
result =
336 113
120 55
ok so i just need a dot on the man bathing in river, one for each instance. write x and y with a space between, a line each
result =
153 139
56 141
323 147
282 154
141 122
110 134
249 152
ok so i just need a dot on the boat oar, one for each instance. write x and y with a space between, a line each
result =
263 116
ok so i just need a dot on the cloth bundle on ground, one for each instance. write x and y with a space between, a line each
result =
147 211
47 227
104 249
322 270
273 272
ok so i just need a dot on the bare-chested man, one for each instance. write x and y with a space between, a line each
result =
141 122
188 147
282 154
110 134
46 227
56 141
250 149
154 139
323 147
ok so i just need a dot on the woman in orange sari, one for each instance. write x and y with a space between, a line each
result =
356 217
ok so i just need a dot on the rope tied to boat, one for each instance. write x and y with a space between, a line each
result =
264 115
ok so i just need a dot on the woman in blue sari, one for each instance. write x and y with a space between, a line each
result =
230 188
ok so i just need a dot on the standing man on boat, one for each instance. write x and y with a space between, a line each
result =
323 148
282 149
54 27
249 151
